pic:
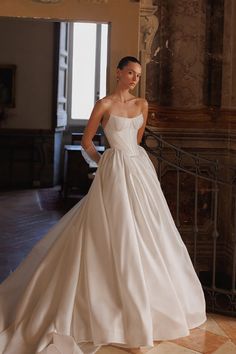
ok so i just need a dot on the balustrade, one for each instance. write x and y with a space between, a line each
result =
211 247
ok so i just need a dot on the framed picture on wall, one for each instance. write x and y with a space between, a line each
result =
7 85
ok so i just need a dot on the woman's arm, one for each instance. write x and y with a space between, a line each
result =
145 115
91 129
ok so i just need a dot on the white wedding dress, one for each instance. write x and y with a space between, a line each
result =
113 270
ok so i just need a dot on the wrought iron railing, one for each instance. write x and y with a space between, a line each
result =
212 247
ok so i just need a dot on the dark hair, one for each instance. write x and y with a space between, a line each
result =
125 61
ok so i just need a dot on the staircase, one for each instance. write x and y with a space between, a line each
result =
201 195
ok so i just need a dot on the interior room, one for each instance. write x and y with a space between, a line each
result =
187 51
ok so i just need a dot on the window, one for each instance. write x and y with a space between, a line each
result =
88 67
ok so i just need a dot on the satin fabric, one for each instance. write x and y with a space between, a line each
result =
113 270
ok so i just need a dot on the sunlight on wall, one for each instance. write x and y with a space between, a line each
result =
83 72
87 65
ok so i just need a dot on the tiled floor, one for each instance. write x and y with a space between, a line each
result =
25 216
217 335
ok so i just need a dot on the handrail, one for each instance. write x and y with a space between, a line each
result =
219 298
215 163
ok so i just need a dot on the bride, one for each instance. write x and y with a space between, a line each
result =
114 270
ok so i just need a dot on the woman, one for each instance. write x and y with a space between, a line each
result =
120 103
114 270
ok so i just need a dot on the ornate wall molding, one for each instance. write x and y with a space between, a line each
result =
94 1
48 1
85 1
81 1
149 24
204 118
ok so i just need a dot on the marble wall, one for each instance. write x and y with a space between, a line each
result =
180 57
229 56
185 69
190 76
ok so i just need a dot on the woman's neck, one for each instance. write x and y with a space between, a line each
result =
122 96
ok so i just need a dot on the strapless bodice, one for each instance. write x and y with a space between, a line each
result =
121 133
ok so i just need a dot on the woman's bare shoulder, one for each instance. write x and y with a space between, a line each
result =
142 102
106 101
102 106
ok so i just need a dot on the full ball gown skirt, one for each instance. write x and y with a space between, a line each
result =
114 269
